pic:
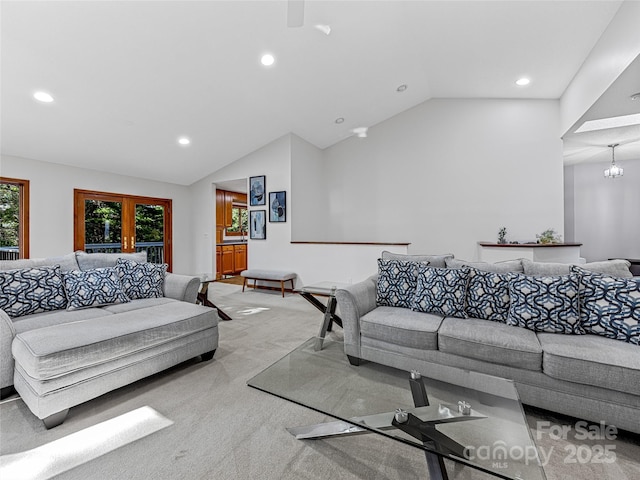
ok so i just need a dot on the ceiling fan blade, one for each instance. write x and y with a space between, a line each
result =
295 13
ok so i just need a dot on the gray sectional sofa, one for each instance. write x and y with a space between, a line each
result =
66 352
585 375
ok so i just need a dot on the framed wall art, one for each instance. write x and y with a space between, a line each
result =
257 190
277 206
258 224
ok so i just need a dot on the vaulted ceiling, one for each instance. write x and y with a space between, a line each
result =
129 78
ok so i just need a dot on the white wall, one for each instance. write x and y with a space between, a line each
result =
605 212
309 213
449 173
312 262
51 204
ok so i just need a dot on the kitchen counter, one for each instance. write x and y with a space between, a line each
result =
231 242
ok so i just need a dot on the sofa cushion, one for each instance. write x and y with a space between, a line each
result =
46 319
434 260
66 263
402 327
93 288
31 290
441 291
89 261
397 282
615 268
545 304
610 306
141 280
488 295
592 360
490 342
498 267
136 304
49 352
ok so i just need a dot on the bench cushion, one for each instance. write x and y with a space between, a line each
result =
59 350
592 360
490 342
402 326
278 275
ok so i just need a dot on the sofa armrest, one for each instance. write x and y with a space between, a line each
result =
7 334
354 301
181 287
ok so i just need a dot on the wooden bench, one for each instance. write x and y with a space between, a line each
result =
268 276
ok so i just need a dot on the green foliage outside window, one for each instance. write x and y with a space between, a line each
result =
239 217
9 215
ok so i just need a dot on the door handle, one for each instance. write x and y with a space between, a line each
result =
126 246
133 242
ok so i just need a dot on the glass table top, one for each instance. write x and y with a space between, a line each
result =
480 424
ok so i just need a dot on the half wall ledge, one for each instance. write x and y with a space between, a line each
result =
400 244
536 252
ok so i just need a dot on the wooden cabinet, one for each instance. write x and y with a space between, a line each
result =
218 263
228 209
227 260
230 260
220 215
239 258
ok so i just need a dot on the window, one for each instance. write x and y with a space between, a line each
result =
111 223
240 221
14 218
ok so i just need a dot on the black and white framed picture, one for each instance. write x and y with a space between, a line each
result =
277 206
258 224
257 190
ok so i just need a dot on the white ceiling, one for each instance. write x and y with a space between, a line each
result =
129 78
616 101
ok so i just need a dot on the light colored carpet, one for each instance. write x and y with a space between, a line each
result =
223 429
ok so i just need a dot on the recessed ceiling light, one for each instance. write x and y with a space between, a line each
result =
339 120
635 96
267 60
43 97
401 88
360 132
612 122
184 141
523 81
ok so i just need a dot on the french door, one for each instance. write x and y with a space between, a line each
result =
112 223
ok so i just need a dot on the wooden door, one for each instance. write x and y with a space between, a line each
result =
112 223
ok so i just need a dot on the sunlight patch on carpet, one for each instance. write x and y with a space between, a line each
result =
253 310
68 452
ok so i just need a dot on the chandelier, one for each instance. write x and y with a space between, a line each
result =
614 170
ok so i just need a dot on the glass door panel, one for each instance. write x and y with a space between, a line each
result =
102 226
112 223
150 231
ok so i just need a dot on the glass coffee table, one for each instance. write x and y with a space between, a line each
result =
481 424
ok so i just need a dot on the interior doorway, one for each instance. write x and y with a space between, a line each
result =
231 230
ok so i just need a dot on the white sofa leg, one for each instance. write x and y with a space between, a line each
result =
55 419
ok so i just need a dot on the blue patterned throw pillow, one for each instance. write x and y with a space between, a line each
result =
545 304
441 291
31 290
93 288
488 295
141 280
610 306
396 283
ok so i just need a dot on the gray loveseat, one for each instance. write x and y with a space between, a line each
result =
587 376
65 353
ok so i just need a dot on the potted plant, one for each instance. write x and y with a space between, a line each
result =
549 236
